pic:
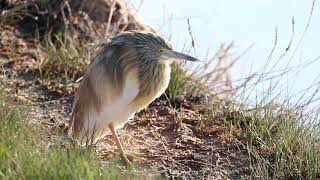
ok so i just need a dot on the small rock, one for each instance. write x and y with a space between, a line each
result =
165 111
199 98
180 99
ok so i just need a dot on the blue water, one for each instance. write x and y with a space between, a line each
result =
246 22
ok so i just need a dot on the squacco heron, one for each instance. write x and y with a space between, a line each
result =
125 75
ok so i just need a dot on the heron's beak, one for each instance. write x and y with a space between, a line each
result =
181 56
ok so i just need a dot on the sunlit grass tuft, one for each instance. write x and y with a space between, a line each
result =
178 80
282 141
64 57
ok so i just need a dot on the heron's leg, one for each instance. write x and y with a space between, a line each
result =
119 146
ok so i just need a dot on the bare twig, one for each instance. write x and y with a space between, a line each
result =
304 32
192 37
110 16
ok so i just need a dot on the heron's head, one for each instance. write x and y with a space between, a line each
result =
153 48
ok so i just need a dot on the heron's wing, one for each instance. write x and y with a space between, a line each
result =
104 88
86 100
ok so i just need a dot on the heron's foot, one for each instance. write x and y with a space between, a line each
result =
126 160
132 156
135 156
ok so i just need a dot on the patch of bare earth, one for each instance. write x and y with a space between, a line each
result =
166 141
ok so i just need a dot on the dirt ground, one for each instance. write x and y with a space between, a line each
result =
165 140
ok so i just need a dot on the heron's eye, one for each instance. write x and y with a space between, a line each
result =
161 50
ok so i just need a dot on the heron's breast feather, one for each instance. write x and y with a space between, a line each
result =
156 87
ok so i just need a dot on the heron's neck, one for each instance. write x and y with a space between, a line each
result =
155 78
